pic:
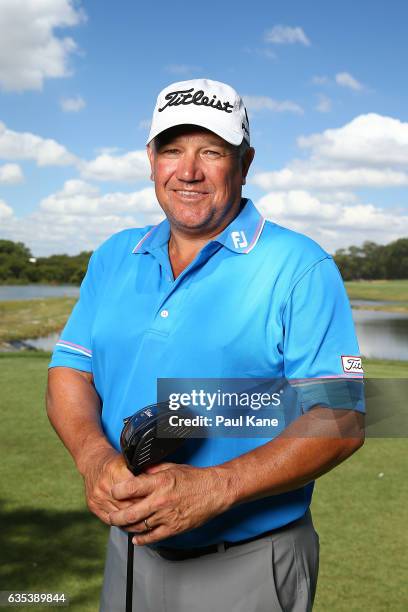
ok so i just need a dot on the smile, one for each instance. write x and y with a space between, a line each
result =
190 194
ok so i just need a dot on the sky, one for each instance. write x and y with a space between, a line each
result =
324 84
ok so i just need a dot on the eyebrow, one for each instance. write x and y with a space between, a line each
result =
211 143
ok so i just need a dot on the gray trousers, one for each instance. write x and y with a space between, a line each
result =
273 574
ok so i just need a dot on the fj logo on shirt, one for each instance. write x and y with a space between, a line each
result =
239 240
352 364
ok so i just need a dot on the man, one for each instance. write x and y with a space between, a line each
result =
211 292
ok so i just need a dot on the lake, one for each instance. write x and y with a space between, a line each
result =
29 292
381 335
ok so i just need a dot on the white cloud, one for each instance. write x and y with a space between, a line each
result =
46 233
24 145
132 166
83 199
369 152
315 195
368 140
332 223
5 210
286 35
257 103
11 174
79 217
296 204
345 79
300 175
30 49
107 150
72 105
324 104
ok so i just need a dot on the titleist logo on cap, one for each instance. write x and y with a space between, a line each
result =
192 102
186 96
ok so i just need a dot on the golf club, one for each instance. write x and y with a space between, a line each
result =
146 439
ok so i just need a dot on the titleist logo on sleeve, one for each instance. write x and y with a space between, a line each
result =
186 96
352 364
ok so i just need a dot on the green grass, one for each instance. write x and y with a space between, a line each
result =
361 518
22 319
381 368
383 290
50 542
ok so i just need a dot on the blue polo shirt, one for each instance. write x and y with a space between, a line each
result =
258 301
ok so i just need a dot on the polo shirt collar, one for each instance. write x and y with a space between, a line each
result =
240 236
157 236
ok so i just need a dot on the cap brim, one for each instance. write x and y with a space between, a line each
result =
231 136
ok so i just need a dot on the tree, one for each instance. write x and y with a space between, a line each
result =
373 265
396 259
14 260
15 265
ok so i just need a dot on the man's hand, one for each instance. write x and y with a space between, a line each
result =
175 498
101 472
74 409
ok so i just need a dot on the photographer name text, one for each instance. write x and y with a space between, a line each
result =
248 420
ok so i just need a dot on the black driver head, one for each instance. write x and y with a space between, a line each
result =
147 437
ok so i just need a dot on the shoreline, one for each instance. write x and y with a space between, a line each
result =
31 319
403 309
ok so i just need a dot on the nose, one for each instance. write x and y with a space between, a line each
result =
189 168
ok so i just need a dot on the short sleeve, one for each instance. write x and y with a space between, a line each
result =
320 340
74 347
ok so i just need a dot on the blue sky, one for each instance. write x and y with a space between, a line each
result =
324 84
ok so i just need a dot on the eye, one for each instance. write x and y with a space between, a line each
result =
210 154
170 152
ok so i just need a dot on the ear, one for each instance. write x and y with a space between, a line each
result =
246 163
150 155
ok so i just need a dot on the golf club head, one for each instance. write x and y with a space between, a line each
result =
147 437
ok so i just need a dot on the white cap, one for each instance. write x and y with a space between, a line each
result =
209 104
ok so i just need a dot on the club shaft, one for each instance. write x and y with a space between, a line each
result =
129 574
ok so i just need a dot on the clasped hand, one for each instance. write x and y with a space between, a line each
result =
172 498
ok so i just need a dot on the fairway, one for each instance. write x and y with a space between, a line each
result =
50 542
383 290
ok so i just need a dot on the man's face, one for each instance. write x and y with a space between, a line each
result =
198 179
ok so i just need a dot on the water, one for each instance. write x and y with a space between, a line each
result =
373 303
382 335
46 343
29 292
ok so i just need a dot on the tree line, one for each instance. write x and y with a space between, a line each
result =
370 261
374 261
18 266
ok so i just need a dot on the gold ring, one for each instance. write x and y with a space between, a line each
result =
148 528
